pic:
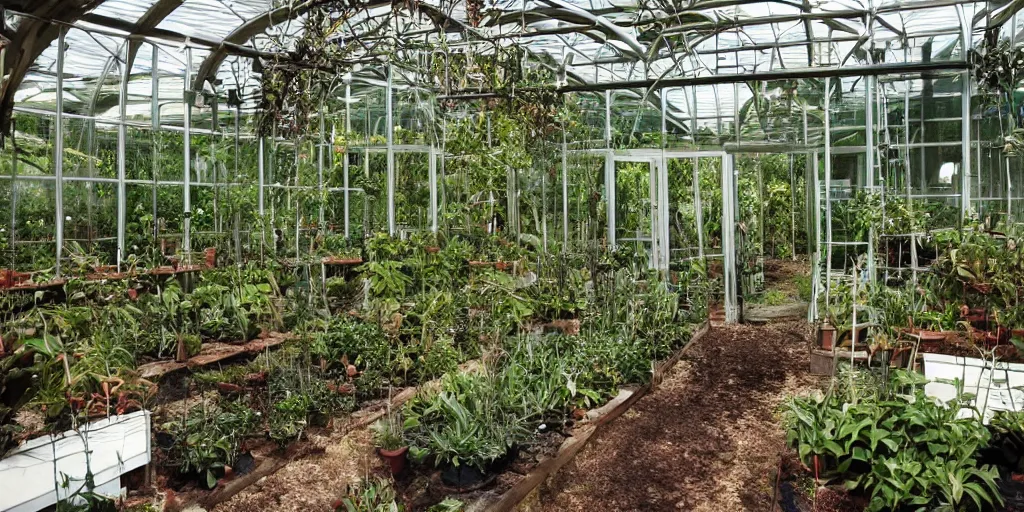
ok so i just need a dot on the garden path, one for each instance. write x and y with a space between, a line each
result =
708 439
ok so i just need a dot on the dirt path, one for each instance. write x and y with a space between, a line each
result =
707 440
311 483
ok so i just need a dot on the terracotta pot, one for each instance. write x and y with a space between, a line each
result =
827 336
396 459
211 257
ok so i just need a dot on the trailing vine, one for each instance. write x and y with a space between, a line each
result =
294 88
998 68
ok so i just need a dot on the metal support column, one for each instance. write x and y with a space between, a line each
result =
432 171
565 193
869 161
609 169
121 142
155 127
698 208
345 161
390 131
666 249
729 238
188 100
261 178
321 143
965 145
828 189
58 155
965 113
663 219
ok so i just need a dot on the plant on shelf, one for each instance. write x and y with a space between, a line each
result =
462 425
339 247
20 368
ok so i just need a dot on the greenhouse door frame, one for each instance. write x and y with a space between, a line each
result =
659 210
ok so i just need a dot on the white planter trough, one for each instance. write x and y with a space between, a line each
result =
33 475
996 387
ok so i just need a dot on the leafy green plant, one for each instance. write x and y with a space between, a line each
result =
373 494
387 433
461 424
895 445
207 440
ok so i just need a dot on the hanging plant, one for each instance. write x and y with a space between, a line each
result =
998 68
295 87
474 11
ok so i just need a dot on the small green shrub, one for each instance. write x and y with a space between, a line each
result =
896 445
209 439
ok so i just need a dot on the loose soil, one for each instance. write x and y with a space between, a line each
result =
782 275
312 483
708 439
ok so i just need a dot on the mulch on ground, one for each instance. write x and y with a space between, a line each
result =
708 439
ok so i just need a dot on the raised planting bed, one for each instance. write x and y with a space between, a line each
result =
591 423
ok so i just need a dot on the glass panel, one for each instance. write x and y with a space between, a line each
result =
682 211
90 225
90 149
412 191
34 218
139 153
633 205
588 218
138 231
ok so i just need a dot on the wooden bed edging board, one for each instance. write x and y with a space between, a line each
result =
215 352
572 446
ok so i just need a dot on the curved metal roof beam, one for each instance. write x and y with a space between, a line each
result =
246 31
148 21
620 34
35 34
153 16
264 21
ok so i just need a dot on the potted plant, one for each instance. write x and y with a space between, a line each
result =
211 257
390 442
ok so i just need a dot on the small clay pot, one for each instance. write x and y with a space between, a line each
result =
211 257
827 336
396 459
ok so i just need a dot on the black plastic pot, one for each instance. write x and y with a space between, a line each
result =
244 464
462 476
164 441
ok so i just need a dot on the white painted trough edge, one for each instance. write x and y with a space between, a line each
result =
33 475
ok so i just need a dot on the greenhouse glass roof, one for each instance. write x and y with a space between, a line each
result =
595 45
